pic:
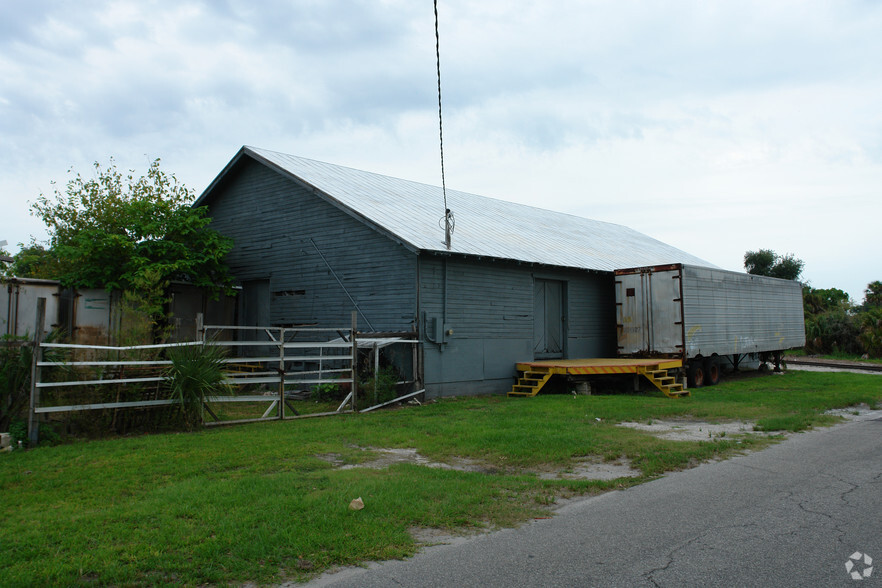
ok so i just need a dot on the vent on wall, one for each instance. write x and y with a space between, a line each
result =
289 293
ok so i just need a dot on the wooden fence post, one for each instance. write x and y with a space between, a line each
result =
282 373
376 352
353 340
200 336
200 327
33 426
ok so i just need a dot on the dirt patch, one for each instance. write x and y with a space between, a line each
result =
388 457
590 469
830 369
692 430
587 469
426 536
852 412
683 430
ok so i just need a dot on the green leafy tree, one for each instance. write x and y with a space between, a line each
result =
819 300
34 261
765 262
873 294
5 262
116 231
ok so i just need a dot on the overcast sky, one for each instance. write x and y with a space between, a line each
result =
717 127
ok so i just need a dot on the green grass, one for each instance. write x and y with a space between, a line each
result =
256 503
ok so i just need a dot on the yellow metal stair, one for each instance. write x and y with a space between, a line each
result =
662 380
530 382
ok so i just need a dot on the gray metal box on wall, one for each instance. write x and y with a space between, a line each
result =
689 311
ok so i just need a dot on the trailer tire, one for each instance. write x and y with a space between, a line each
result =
712 371
695 374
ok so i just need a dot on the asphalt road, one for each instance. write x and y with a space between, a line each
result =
791 515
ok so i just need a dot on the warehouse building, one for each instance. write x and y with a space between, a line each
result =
315 241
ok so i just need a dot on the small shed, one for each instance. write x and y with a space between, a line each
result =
93 316
314 241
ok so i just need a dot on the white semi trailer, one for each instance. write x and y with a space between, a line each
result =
706 317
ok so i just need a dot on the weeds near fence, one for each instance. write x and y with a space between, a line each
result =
15 378
16 355
326 392
379 387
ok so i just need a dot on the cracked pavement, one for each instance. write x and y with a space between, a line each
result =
790 515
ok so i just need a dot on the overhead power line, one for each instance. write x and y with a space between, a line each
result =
448 215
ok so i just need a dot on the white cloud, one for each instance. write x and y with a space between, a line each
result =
717 127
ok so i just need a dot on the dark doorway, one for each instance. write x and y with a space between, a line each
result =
548 319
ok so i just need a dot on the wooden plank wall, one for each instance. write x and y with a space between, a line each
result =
490 314
279 227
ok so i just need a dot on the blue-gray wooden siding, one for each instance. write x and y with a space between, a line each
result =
273 221
489 310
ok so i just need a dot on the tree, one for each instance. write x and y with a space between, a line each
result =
873 294
870 324
766 262
34 261
819 300
118 232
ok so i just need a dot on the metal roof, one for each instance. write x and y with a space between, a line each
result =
485 227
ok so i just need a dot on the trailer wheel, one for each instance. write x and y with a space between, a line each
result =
695 374
712 371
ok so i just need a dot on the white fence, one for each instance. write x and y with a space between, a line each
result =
268 365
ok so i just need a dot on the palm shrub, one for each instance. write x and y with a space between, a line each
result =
871 331
196 371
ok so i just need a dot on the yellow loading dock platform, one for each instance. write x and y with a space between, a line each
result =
533 375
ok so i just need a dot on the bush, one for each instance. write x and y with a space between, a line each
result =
16 354
196 372
48 435
834 331
18 433
15 379
326 392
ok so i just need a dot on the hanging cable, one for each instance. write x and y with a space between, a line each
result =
448 216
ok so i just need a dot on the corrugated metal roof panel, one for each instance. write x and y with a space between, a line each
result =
485 227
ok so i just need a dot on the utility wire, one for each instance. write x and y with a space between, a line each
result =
447 213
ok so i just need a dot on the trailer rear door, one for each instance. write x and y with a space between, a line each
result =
649 311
